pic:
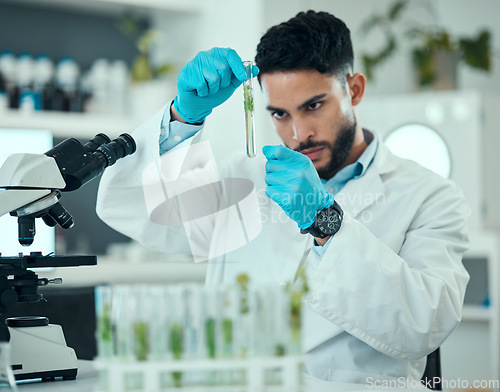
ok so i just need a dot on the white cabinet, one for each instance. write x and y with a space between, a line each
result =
472 352
467 121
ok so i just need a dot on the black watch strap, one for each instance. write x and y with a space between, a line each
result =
327 222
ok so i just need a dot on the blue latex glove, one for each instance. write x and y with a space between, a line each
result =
293 182
207 81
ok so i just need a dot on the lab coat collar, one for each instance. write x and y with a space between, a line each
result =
360 193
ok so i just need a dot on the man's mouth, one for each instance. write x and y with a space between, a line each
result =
313 153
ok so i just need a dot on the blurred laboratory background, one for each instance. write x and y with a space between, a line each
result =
74 68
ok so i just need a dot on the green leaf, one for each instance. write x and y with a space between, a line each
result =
396 9
164 69
477 52
424 66
371 61
371 23
141 69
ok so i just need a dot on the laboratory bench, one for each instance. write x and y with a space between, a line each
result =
87 381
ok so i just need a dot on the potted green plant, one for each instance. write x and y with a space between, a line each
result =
150 85
435 52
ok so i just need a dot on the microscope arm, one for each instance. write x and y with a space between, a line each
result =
26 178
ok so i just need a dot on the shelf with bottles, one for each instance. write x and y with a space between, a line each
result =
117 6
33 84
61 124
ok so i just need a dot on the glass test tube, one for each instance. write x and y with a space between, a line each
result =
104 330
249 110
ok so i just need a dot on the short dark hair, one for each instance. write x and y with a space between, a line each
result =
309 41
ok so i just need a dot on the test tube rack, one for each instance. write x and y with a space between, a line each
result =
148 374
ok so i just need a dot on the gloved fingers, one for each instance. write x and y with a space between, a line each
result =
255 70
235 82
212 79
235 62
275 166
224 71
277 178
192 80
278 152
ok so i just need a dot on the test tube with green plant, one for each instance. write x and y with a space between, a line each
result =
297 291
104 332
194 341
141 300
177 306
248 98
141 340
122 314
176 340
244 317
212 330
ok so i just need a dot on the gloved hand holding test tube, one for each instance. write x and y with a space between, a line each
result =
249 108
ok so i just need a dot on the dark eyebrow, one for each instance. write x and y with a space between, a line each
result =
301 106
311 100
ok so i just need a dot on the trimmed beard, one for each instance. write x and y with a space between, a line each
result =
340 150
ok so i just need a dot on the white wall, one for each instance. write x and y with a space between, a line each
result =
240 24
460 17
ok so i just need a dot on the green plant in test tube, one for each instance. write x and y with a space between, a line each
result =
249 107
296 294
104 325
244 309
176 339
210 337
141 340
243 280
248 99
227 334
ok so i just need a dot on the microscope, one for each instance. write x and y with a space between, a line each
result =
30 188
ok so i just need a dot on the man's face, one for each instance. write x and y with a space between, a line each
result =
312 114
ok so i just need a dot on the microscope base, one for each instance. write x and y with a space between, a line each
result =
41 352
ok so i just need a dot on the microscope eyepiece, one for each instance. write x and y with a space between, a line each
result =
120 147
97 141
81 163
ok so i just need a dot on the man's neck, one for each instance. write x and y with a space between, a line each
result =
358 147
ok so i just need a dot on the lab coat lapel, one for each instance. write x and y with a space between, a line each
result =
360 193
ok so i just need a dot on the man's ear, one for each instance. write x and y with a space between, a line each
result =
356 83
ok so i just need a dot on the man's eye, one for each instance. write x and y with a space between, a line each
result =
315 105
279 114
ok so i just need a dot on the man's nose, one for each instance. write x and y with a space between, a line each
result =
301 130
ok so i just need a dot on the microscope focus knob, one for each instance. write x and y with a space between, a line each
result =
8 298
27 321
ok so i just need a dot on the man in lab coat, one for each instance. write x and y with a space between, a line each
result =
380 238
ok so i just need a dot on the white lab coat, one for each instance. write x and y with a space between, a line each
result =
387 292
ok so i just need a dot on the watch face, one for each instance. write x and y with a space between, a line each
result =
328 221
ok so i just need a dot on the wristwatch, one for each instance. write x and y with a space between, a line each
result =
327 222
